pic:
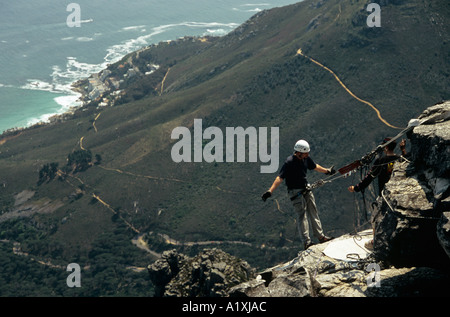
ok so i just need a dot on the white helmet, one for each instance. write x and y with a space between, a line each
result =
302 146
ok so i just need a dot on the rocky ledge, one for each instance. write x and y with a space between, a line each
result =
314 274
411 254
209 274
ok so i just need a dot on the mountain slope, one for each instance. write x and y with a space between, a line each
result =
252 77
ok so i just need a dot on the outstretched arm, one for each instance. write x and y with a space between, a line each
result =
365 182
277 182
324 170
274 186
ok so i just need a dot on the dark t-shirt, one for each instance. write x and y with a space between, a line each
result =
294 171
381 168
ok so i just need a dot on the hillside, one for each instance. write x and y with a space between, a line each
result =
252 77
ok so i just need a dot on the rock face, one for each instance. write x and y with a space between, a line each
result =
209 274
411 255
411 224
214 273
443 232
313 274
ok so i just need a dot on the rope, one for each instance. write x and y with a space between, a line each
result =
299 52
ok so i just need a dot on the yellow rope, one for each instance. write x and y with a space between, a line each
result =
299 52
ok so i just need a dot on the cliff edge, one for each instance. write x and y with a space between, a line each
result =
411 254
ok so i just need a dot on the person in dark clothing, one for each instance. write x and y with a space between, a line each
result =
382 169
294 172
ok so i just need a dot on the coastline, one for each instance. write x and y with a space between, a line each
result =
75 96
103 88
94 85
89 89
69 103
65 76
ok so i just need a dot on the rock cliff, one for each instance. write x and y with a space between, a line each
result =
411 254
412 217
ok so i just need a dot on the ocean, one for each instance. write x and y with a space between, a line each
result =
47 45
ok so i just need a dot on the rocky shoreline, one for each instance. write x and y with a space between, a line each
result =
107 87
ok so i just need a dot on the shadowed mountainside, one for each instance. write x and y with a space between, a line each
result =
252 77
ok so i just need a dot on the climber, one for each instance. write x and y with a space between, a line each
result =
381 169
294 172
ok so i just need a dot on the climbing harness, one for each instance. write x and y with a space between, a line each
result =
301 192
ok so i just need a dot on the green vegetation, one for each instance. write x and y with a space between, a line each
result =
250 77
79 160
48 172
107 270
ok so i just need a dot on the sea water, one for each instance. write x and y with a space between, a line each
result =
41 55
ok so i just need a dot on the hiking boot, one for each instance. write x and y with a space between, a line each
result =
369 245
308 244
325 239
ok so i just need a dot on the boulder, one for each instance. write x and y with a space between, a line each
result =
211 273
164 270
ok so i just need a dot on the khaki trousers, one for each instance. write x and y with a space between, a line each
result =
305 206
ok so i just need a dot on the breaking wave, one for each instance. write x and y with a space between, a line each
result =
251 7
116 52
